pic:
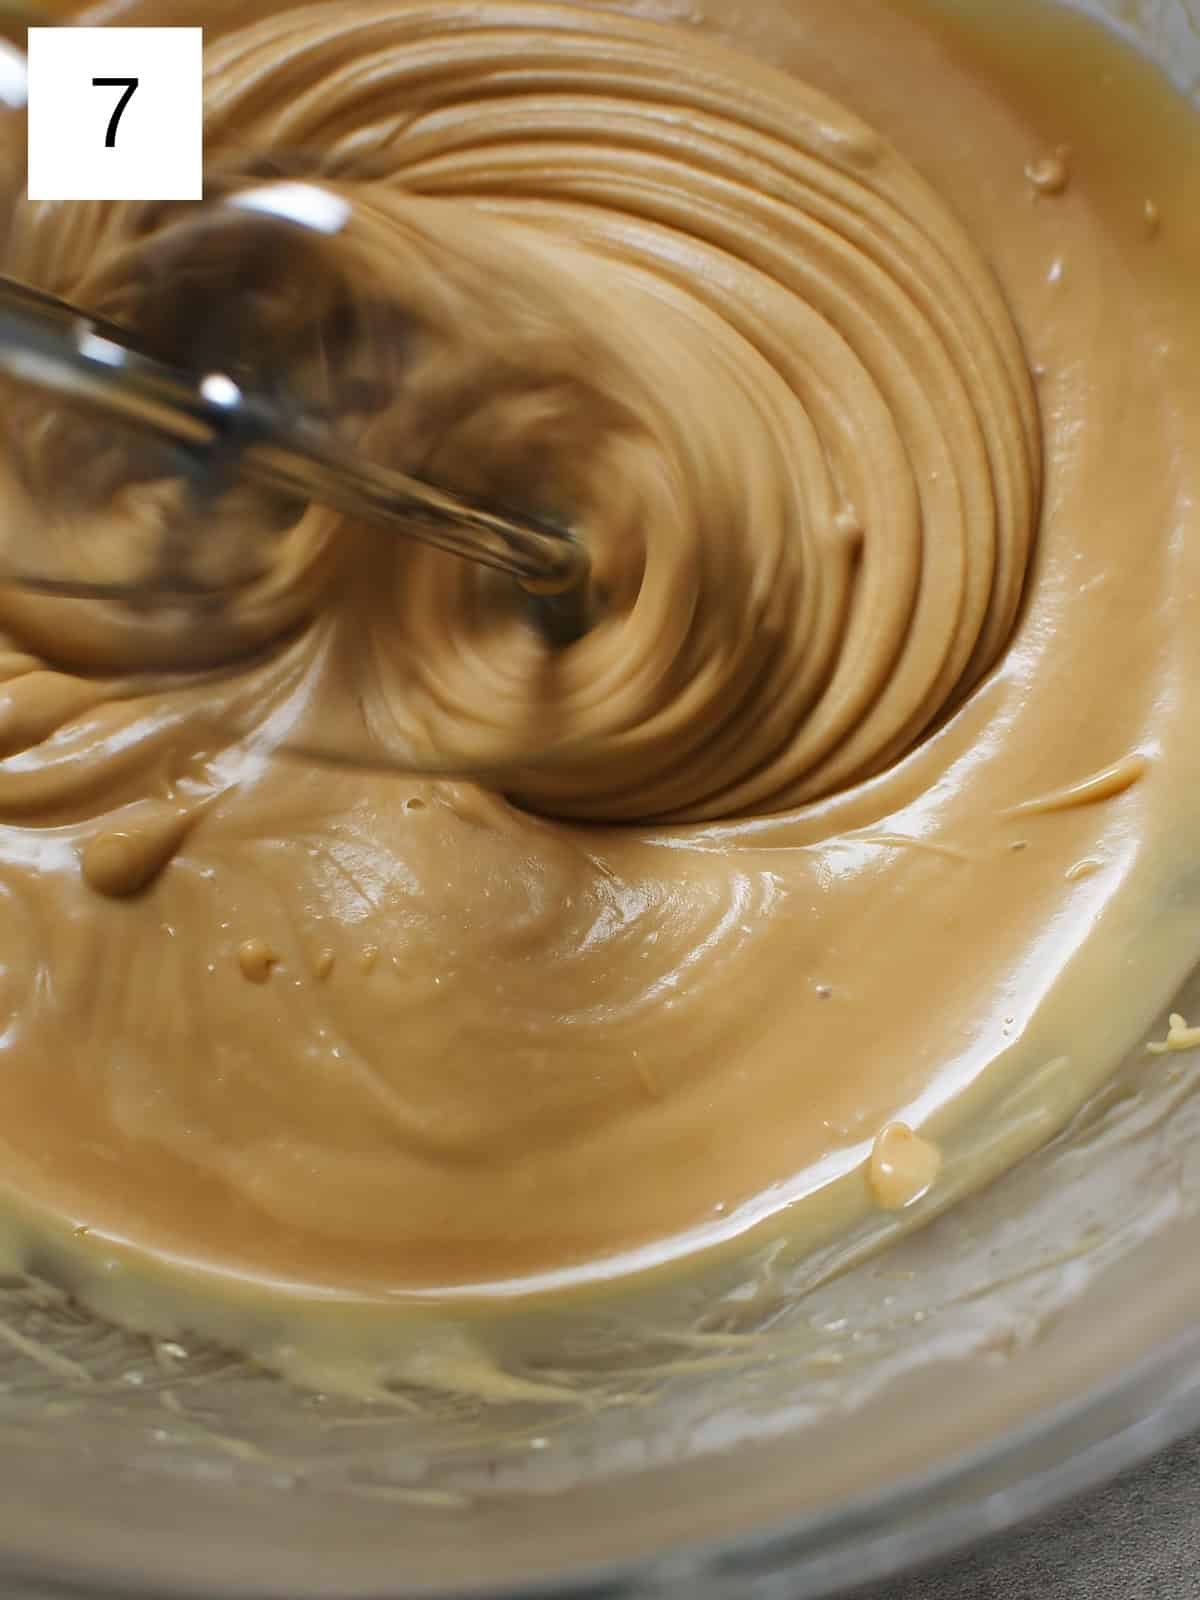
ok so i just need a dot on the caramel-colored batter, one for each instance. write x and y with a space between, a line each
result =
858 361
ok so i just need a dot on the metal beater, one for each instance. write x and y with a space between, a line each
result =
225 432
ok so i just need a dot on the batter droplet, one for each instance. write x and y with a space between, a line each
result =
903 1166
256 959
123 861
1051 174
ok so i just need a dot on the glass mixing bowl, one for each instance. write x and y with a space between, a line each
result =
784 1429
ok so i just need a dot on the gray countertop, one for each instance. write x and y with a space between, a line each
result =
1136 1539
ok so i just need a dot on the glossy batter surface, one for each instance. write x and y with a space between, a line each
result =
869 374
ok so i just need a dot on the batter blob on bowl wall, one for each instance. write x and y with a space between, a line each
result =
877 437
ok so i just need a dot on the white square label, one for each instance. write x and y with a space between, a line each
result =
116 113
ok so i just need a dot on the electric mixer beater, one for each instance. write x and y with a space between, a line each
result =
220 431
113 412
